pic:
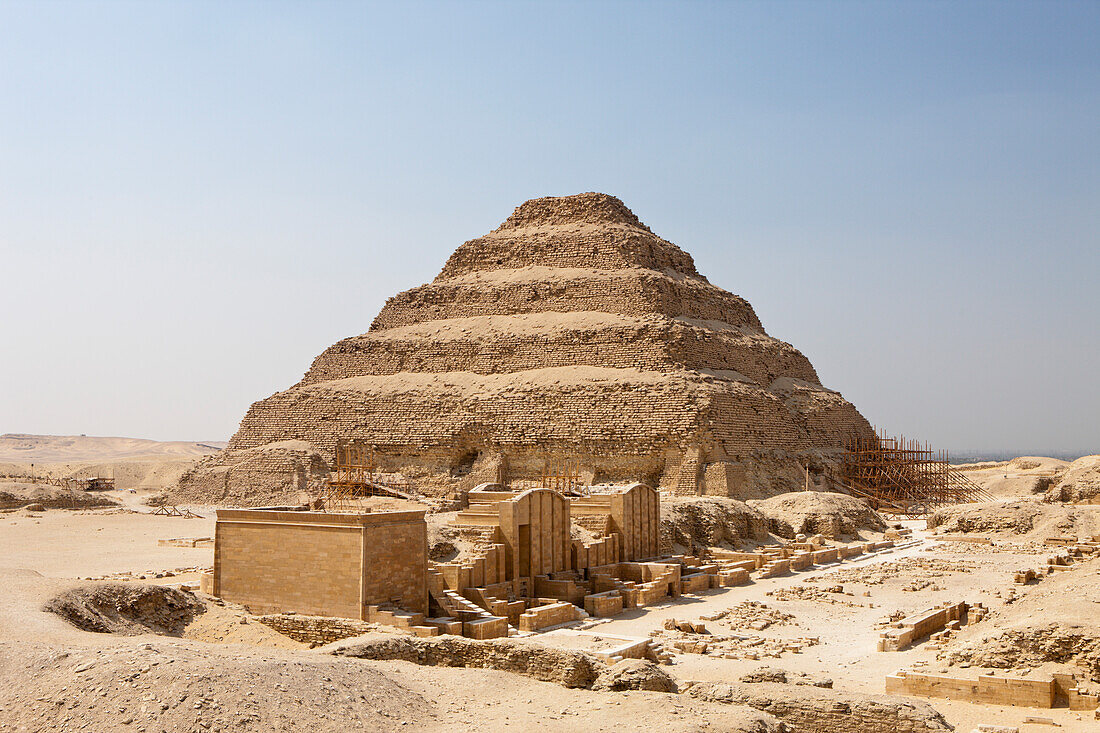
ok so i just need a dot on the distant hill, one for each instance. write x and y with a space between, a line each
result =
24 448
134 463
990 456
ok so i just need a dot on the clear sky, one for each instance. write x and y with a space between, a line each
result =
197 198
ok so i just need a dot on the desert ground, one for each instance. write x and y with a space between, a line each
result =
133 463
192 662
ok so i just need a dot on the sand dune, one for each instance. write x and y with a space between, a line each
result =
23 448
132 462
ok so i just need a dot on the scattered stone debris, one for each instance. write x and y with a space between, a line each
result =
924 567
634 674
819 595
127 608
750 615
687 627
151 574
693 638
775 674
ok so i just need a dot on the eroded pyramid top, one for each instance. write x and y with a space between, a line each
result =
581 208
587 230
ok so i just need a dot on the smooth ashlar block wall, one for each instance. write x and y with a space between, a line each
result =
321 564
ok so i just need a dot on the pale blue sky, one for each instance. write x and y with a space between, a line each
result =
198 198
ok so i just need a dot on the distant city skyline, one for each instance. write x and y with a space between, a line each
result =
196 199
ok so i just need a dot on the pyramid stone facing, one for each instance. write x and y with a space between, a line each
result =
569 332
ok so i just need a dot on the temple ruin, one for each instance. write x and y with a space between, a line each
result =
542 558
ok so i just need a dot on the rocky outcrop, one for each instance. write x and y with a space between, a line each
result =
634 674
818 512
1025 518
690 523
1079 483
570 332
128 609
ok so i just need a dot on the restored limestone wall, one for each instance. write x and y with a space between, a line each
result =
286 561
321 564
535 528
990 689
395 560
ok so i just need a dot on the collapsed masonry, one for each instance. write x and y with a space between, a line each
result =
529 570
571 332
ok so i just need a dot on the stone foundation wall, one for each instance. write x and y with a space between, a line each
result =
315 629
816 710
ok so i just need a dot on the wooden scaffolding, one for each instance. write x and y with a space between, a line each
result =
903 476
562 476
357 476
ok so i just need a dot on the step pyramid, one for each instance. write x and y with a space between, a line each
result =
570 332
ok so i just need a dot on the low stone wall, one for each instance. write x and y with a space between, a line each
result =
186 542
801 560
566 667
695 583
818 710
608 603
919 625
315 629
993 689
774 568
552 614
491 627
737 576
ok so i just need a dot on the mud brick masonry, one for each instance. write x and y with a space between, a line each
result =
571 331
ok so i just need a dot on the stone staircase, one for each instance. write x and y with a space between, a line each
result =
463 616
407 620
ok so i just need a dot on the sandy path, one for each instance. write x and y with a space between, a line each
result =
63 544
848 635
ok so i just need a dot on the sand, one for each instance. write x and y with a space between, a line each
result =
132 462
244 676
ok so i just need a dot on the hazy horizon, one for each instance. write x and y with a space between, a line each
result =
197 199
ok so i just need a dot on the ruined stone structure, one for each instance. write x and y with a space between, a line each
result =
539 559
570 332
529 572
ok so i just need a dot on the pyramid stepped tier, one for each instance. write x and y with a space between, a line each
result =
537 289
500 344
597 408
571 332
